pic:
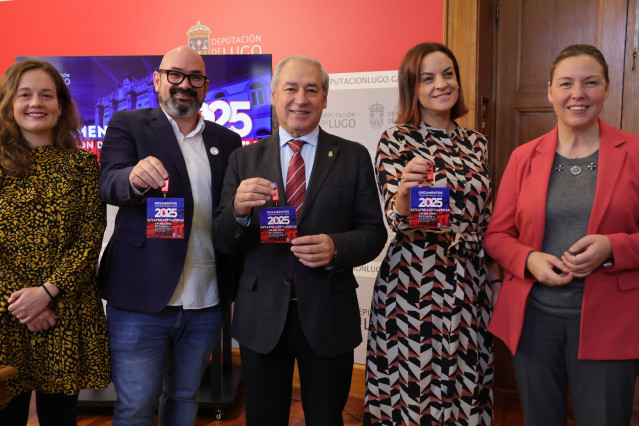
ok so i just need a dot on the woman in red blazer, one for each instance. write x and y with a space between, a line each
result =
565 228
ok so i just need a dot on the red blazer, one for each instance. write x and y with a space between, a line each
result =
610 307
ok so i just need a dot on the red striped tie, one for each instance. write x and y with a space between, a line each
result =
296 177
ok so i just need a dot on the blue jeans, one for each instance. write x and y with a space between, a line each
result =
158 360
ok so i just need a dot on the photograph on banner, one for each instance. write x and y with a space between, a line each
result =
239 95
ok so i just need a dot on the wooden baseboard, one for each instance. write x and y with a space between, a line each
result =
357 382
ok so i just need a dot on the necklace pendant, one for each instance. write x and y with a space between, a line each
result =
559 168
576 170
592 166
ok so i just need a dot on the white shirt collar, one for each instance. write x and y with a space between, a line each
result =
199 127
310 138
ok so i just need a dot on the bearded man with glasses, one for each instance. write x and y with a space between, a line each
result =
165 291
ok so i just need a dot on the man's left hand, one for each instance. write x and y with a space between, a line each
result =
314 250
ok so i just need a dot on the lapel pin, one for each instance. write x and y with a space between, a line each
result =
330 153
215 151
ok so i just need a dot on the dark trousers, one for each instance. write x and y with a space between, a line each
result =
268 379
54 409
546 365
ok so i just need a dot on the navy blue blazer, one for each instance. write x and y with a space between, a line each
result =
341 201
137 273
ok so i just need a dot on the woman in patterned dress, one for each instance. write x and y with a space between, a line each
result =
429 354
52 325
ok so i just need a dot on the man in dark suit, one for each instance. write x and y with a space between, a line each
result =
297 301
165 295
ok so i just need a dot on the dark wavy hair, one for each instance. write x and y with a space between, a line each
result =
578 50
15 159
409 79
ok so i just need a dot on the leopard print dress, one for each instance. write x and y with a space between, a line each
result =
429 358
51 226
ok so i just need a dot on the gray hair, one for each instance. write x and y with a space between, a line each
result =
278 70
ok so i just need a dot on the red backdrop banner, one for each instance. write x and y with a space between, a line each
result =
346 36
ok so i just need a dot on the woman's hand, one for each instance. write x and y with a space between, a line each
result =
414 174
43 321
587 254
25 304
544 266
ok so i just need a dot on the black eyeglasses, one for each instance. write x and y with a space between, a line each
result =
177 77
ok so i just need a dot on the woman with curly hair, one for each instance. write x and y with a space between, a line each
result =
52 324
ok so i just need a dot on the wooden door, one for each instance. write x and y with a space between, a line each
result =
630 108
530 34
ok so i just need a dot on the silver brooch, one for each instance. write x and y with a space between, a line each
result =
576 170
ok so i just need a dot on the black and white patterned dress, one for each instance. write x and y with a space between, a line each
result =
430 355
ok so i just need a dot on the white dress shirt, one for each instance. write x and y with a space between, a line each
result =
286 152
308 151
197 287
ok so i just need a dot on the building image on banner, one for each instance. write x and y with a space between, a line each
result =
238 95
